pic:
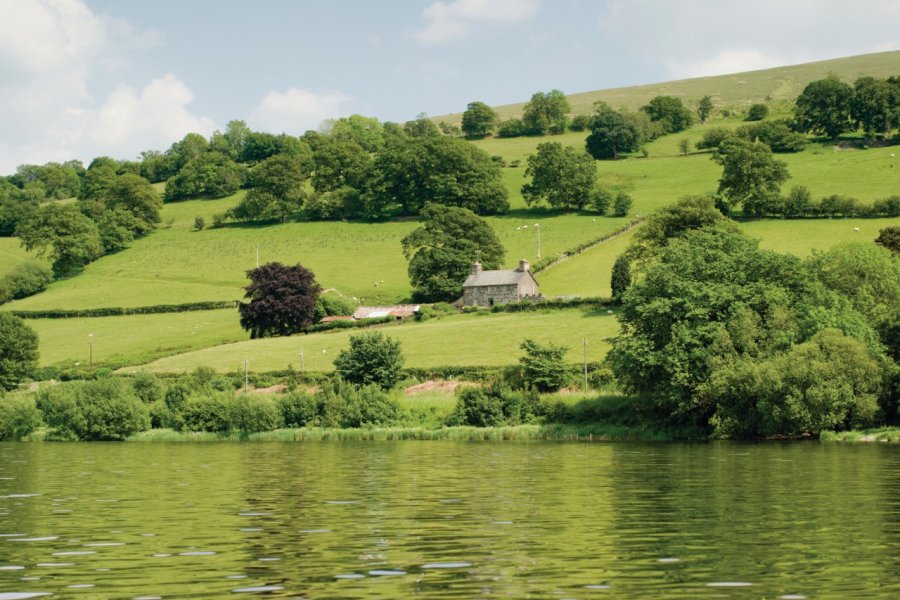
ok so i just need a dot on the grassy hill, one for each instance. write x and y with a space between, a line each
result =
364 260
779 83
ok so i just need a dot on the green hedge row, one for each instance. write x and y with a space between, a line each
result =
540 266
116 311
350 324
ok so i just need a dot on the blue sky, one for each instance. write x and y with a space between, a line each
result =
82 78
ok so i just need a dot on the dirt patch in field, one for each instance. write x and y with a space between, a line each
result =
437 386
272 389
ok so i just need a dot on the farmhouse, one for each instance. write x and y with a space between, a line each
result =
487 288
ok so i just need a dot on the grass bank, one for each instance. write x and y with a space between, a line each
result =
597 432
878 434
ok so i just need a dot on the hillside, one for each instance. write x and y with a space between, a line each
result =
779 83
364 261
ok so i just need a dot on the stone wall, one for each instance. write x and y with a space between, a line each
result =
500 294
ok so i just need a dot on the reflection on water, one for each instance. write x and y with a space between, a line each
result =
451 520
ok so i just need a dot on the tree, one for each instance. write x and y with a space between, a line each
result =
279 189
751 176
889 238
373 358
684 146
97 182
824 107
622 204
775 134
704 108
367 132
545 113
674 221
611 133
282 300
544 366
561 175
442 251
18 350
409 173
338 164
135 195
670 111
757 112
479 119
422 126
210 174
874 106
63 233
621 276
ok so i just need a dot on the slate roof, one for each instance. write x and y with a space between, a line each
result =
499 277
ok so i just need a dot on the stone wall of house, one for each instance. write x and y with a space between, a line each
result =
501 294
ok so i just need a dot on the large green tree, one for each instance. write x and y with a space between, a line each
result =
670 111
546 113
824 107
18 351
63 233
611 133
560 175
874 106
211 174
372 359
704 108
281 300
135 195
751 176
441 252
409 173
279 189
479 119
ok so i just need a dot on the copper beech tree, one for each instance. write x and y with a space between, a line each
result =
282 300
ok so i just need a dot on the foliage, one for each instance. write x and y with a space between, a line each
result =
544 366
18 351
670 111
545 113
684 146
19 416
775 134
611 133
148 388
330 305
341 203
410 173
757 112
282 300
373 358
339 163
622 204
561 175
442 251
580 123
298 409
479 119
278 188
600 199
830 382
207 412
494 405
621 276
510 128
134 195
824 107
254 413
105 409
704 108
211 175
713 137
26 279
875 106
750 175
689 213
889 238
61 232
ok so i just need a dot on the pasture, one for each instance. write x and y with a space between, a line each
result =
481 339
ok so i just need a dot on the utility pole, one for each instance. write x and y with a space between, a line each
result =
584 347
257 256
90 351
246 380
537 226
302 366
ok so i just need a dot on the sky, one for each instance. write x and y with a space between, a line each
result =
87 78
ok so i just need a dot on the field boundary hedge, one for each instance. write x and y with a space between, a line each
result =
119 311
557 258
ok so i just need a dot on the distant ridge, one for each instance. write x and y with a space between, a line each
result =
778 83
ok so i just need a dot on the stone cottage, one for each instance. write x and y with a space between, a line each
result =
487 288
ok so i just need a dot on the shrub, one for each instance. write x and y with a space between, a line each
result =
176 395
372 358
250 414
757 112
148 387
544 366
330 305
25 280
162 417
18 351
105 409
476 407
600 199
713 138
298 409
199 223
208 412
370 405
18 417
622 204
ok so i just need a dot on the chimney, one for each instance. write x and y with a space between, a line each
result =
524 265
476 268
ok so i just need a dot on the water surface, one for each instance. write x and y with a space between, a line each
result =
450 520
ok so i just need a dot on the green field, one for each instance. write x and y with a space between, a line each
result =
801 236
480 339
12 255
134 339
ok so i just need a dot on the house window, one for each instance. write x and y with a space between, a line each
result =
491 302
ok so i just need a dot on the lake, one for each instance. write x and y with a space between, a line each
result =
450 520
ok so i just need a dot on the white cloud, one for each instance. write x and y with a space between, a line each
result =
298 110
709 37
448 21
49 49
727 61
